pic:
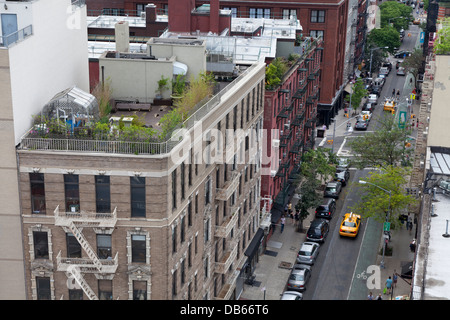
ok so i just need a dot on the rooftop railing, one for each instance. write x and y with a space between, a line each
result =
7 41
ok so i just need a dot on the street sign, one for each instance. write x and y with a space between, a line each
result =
402 119
386 226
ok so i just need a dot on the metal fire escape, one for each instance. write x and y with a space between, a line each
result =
77 267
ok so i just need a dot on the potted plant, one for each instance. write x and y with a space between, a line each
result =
163 84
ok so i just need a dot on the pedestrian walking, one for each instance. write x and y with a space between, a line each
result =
393 92
379 297
370 296
389 285
409 223
412 245
283 221
398 93
297 217
395 278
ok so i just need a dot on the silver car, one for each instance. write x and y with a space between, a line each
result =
308 253
299 277
291 295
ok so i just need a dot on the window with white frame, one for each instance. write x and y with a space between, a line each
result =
288 13
317 16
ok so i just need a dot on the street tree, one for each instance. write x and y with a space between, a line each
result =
308 198
376 203
397 14
384 37
383 147
413 64
442 43
318 164
358 92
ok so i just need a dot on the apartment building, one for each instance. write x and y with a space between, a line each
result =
177 219
42 51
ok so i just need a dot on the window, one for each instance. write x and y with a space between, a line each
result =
75 294
139 290
174 238
138 246
105 290
259 13
40 241
174 189
174 283
318 16
316 33
139 9
287 13
37 193
182 168
102 194
208 190
73 246
233 11
104 246
137 186
182 229
72 193
43 288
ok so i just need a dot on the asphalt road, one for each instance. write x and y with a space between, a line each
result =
342 260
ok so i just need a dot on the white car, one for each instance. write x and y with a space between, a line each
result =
372 98
292 295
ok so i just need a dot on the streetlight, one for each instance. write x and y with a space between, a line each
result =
371 52
387 215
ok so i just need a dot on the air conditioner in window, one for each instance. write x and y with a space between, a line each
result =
273 173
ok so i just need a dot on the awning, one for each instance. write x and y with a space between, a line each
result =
179 68
276 212
407 269
348 88
254 245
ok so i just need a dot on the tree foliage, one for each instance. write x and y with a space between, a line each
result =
383 147
395 13
376 203
359 91
384 37
413 63
442 43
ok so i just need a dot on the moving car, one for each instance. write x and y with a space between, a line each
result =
291 295
389 105
368 107
350 225
342 175
318 230
361 125
401 71
326 209
402 54
372 98
333 189
299 277
308 253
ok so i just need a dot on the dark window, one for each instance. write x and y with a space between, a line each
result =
317 16
43 288
73 246
75 294
174 283
40 240
72 192
138 248
139 290
102 194
174 189
182 229
137 185
37 193
174 239
104 246
182 168
105 290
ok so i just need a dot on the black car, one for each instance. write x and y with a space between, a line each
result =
342 175
326 209
318 230
376 90
333 189
361 125
368 107
402 54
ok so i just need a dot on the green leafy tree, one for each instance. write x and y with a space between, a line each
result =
383 147
413 63
376 203
309 198
442 43
395 13
384 37
318 164
359 92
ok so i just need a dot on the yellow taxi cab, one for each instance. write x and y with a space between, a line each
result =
350 225
389 105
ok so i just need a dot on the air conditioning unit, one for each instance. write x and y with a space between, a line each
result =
444 185
275 143
273 173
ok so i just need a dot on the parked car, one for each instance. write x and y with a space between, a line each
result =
318 230
361 125
379 81
327 208
299 277
387 65
308 253
291 295
376 90
350 225
401 71
402 54
342 175
372 98
333 189
343 162
384 71
398 63
368 107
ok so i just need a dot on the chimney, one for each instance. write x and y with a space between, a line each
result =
180 15
150 13
122 33
214 16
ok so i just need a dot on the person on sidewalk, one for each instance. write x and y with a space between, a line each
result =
393 92
394 278
283 221
409 223
389 285
370 296
379 297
